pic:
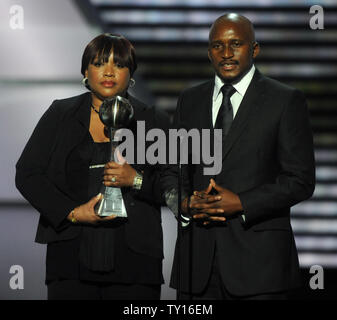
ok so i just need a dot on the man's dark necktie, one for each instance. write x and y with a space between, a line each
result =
225 115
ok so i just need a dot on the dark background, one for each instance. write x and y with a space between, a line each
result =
42 62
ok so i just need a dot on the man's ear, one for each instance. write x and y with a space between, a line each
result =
86 73
209 56
256 49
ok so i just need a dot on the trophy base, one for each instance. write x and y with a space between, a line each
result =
111 203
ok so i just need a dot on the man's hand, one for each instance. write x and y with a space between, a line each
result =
214 207
193 199
118 175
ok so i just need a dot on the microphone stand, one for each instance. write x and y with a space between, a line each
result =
179 235
179 226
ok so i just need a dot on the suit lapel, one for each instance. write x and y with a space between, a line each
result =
252 99
205 121
205 103
82 113
78 123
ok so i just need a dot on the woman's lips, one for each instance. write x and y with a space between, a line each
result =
108 84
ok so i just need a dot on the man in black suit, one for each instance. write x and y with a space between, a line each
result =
237 242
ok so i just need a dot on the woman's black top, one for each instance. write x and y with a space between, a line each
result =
100 253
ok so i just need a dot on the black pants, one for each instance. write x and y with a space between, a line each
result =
84 290
215 289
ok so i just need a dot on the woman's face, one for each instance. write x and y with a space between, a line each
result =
107 79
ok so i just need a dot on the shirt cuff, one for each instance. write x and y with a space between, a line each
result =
171 199
242 218
185 221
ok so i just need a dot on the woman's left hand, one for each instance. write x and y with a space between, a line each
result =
118 175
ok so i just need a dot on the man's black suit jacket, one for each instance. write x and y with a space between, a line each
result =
54 178
267 159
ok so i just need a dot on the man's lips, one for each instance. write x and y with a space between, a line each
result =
222 63
228 65
108 84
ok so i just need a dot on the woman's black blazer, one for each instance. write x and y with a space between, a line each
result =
51 175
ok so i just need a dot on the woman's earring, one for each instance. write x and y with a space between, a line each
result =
132 82
85 81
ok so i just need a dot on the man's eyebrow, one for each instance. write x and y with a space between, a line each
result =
238 40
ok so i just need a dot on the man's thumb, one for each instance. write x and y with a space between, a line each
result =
209 188
215 186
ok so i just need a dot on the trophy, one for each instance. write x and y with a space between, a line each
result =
115 113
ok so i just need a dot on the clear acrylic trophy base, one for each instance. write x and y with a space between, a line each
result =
111 203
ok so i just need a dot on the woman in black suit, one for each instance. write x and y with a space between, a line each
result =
60 173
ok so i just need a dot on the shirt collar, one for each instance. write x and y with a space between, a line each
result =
241 87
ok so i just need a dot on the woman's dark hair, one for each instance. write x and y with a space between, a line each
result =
101 46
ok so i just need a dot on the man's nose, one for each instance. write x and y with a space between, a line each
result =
227 52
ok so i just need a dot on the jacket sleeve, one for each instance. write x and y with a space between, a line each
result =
151 190
169 172
296 179
31 179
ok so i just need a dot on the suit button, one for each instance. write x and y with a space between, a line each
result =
132 203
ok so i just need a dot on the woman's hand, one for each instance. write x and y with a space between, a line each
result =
85 213
118 175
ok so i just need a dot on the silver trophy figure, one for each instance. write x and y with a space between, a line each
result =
115 113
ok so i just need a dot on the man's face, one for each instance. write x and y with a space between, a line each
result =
232 50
